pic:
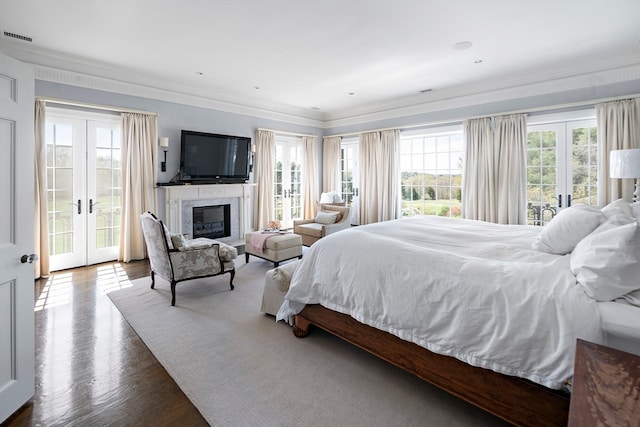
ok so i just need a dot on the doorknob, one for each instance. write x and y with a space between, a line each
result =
29 258
79 205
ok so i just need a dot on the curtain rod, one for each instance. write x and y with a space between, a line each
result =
93 106
460 120
286 133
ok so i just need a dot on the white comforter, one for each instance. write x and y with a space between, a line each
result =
468 289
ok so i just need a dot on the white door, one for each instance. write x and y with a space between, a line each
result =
84 185
349 176
287 189
17 343
561 167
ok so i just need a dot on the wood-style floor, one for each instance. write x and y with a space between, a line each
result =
92 369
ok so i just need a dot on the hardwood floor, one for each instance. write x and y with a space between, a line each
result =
91 367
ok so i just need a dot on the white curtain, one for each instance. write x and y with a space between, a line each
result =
618 129
41 210
379 176
139 156
265 163
331 180
495 170
511 142
310 180
478 185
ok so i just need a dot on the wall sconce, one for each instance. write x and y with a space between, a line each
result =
626 164
253 157
164 143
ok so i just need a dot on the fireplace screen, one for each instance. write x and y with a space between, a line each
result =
212 221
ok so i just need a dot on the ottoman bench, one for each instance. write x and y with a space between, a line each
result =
275 247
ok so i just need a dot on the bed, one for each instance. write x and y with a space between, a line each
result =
475 308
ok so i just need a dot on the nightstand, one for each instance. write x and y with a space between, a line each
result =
606 387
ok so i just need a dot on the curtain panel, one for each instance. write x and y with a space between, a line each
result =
139 176
618 129
265 163
495 169
331 179
310 181
478 183
41 229
511 142
379 176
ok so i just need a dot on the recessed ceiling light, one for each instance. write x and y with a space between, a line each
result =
352 93
478 61
425 90
315 108
200 73
256 87
462 45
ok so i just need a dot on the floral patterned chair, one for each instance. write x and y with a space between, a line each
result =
176 259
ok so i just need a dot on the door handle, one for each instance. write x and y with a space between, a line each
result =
29 258
79 205
569 200
91 205
559 200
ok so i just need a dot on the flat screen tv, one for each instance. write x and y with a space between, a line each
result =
208 158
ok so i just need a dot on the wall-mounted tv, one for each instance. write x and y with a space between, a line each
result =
208 158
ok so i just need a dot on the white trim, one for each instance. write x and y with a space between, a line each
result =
625 69
58 101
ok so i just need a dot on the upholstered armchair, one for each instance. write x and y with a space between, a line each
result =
329 219
176 259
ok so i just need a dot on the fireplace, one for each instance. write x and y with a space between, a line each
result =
213 222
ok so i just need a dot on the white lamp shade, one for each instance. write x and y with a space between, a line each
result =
164 141
624 163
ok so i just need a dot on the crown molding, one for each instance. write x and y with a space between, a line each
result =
82 73
487 92
94 75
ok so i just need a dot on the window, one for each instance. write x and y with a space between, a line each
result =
349 175
561 166
287 186
431 172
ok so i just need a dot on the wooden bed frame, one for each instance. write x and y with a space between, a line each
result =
516 400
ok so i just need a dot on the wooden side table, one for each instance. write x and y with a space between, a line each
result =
606 387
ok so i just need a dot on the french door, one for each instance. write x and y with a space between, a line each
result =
349 176
562 168
287 186
84 187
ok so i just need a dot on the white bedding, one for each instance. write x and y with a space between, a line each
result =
468 289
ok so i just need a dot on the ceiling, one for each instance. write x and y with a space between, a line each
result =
325 59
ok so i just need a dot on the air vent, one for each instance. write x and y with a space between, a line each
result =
18 36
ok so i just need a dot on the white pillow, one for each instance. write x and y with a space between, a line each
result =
567 228
282 275
618 207
607 262
325 217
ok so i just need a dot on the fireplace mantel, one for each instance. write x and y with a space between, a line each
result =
176 195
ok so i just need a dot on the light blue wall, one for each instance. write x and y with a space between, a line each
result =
173 117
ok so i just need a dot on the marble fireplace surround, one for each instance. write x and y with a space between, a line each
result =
181 199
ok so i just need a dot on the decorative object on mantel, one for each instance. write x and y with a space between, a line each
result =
626 164
164 143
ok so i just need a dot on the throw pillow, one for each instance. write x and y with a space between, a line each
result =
177 240
618 207
607 262
282 275
567 228
326 217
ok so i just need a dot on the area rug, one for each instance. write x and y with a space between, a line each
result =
241 368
